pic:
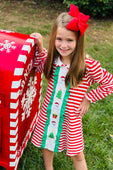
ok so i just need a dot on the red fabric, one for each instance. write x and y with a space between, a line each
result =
79 22
71 136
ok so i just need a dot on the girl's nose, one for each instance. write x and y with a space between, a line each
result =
64 44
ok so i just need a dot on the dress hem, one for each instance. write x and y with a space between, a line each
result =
74 154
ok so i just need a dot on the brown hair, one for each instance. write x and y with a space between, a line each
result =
77 67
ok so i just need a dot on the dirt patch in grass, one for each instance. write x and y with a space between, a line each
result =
40 17
100 30
27 17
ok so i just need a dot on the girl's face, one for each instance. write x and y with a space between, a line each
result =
65 43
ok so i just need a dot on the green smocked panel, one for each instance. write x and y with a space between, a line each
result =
62 112
56 75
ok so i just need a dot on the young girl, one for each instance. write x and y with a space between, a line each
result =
69 73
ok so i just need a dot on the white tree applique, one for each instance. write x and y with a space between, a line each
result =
28 98
7 46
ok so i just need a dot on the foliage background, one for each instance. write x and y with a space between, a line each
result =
95 8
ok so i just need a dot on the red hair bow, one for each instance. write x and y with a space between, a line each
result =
79 22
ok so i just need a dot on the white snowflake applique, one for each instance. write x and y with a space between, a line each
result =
28 98
7 46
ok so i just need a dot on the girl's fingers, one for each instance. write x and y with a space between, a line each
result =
84 107
39 41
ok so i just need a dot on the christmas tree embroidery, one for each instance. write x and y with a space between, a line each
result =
51 135
59 94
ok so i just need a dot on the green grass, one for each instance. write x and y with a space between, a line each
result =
98 122
25 30
97 125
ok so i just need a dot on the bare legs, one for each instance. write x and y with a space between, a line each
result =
48 159
78 160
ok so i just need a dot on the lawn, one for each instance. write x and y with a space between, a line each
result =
27 17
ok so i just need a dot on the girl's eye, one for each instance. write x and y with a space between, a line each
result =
58 39
69 40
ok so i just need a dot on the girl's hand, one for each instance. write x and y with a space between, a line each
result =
84 106
39 41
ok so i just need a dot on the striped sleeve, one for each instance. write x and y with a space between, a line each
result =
99 75
40 60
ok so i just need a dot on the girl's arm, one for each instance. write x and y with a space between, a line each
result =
41 53
101 76
96 74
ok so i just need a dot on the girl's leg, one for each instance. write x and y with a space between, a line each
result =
48 159
79 161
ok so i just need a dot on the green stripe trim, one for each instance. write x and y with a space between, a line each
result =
56 75
62 113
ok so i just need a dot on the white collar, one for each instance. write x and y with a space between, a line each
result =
59 63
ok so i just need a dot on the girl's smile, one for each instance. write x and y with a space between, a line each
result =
65 43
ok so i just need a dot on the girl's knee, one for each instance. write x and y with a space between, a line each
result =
78 157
